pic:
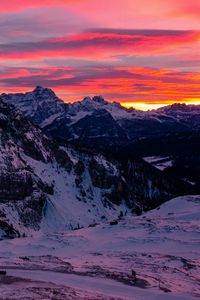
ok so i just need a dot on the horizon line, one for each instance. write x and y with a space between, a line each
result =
138 105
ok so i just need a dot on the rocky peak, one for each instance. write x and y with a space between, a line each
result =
99 100
38 105
44 92
93 103
86 100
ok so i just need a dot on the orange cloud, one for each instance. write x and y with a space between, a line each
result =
124 84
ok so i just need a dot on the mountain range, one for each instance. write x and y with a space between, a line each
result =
74 165
94 119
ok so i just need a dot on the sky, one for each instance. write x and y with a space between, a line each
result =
141 53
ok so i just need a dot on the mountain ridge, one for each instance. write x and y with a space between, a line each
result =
64 121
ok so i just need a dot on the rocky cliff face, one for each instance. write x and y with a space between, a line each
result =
22 193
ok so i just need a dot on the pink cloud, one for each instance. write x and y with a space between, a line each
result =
31 34
103 43
120 84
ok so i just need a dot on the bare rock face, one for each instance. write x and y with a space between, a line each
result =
15 186
63 159
22 193
101 176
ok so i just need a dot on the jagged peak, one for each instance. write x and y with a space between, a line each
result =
100 100
94 100
39 90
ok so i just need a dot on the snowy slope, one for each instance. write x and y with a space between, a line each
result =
75 202
161 246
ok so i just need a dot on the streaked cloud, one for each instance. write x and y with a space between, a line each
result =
129 51
137 42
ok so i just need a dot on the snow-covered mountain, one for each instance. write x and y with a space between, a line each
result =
94 123
44 184
80 120
38 105
94 120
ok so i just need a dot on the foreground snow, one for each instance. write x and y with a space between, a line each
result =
162 247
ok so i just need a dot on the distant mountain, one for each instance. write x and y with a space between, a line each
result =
93 123
88 119
94 119
38 105
45 185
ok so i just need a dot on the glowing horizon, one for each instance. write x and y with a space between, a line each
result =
143 106
81 48
150 106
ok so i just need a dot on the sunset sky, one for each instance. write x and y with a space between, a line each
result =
139 52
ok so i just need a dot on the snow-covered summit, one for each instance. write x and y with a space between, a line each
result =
89 105
31 103
41 91
42 103
75 121
37 105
